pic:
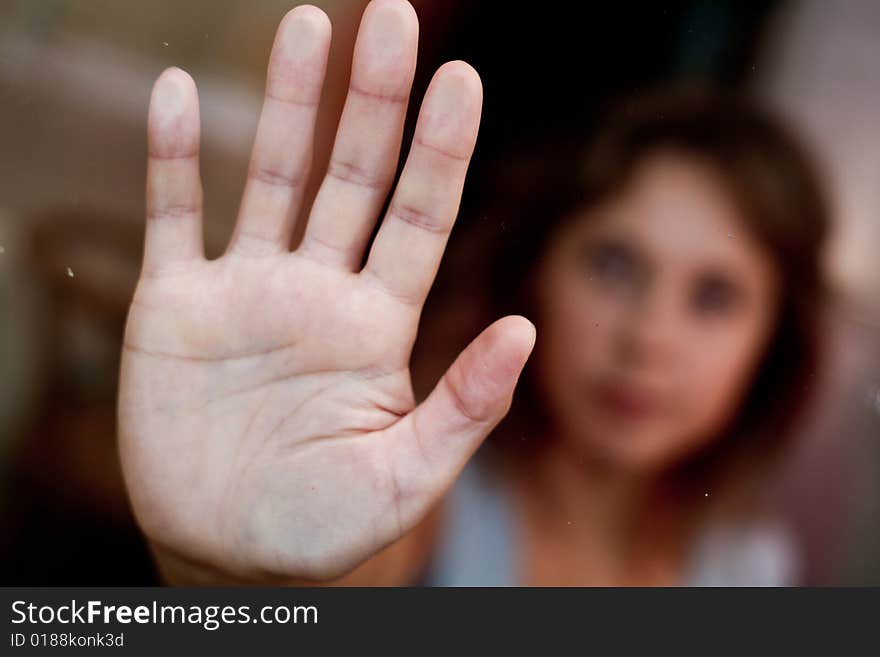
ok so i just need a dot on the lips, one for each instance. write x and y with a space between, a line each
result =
626 401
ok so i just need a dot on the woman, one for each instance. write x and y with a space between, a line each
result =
672 270
268 427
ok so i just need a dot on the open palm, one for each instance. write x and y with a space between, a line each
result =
267 420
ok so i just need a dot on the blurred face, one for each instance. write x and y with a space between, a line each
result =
654 309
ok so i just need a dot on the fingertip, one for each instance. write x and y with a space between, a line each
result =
457 90
526 329
307 21
386 48
463 75
299 55
317 16
175 72
450 115
401 8
173 86
515 340
173 121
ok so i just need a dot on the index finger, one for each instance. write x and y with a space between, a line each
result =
410 243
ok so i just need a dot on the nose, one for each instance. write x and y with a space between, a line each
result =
649 330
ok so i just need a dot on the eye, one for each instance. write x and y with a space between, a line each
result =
716 295
611 262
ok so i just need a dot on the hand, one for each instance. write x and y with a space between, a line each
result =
267 422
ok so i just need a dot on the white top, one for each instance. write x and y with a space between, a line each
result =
477 547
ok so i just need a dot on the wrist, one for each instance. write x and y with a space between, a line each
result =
175 569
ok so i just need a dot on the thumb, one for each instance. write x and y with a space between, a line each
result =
430 446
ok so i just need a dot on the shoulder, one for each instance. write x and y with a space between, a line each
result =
761 552
475 546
